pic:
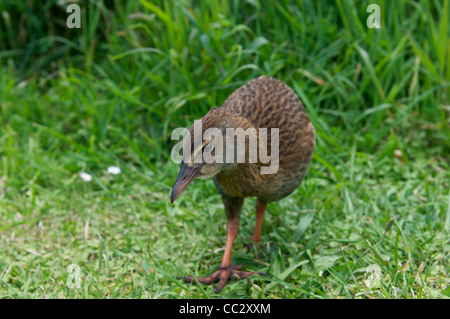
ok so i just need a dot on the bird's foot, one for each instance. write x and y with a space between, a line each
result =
222 276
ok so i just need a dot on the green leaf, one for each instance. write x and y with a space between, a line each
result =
291 269
368 63
424 57
305 221
160 13
258 42
325 262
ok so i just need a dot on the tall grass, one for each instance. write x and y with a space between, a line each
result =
111 93
169 62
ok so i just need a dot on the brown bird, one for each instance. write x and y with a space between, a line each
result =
263 102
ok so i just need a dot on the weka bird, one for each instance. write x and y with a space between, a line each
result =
263 102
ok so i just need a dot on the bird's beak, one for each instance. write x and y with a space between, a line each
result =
185 177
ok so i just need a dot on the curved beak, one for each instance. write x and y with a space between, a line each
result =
185 177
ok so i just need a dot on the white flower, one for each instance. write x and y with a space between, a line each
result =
86 177
114 170
398 154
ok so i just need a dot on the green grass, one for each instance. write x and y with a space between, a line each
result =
111 93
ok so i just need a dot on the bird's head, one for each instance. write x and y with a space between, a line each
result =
205 148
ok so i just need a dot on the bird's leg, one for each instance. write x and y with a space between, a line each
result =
233 207
260 210
256 237
226 270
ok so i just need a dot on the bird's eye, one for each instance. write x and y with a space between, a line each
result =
208 148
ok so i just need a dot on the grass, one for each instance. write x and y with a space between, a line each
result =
110 93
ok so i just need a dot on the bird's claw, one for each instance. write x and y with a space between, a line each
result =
222 276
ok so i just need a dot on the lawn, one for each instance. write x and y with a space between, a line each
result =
371 219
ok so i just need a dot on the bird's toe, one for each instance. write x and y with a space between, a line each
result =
222 277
